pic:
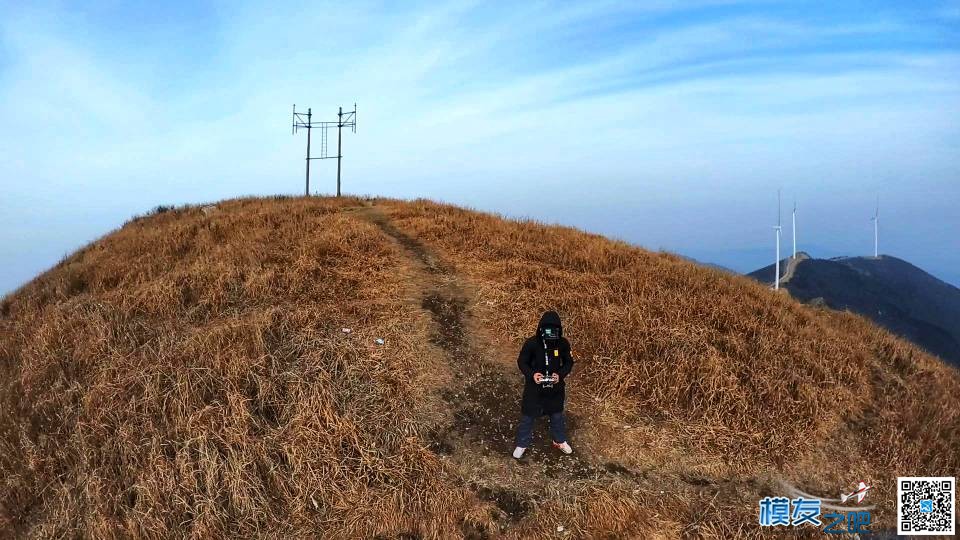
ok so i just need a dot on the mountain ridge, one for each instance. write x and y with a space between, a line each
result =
890 291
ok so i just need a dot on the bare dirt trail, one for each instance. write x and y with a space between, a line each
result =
484 399
485 394
791 269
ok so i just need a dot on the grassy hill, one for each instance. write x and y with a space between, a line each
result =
889 291
188 375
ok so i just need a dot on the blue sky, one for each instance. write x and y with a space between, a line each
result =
669 124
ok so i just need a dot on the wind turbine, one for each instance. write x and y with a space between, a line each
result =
876 227
794 228
776 278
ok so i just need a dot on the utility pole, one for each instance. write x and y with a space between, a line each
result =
344 119
339 139
309 127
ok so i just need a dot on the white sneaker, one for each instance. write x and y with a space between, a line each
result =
518 452
564 447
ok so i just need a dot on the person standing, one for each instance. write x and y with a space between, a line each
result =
545 362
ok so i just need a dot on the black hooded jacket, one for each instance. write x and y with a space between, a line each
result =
534 357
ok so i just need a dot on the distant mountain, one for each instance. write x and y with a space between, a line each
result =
892 292
710 265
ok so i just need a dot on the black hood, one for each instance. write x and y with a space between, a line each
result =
549 318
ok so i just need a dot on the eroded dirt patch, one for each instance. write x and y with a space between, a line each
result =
439 442
448 314
417 249
512 504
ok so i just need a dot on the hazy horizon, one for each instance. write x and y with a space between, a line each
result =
670 125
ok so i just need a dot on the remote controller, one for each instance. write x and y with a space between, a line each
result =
549 381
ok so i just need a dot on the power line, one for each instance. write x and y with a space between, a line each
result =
305 121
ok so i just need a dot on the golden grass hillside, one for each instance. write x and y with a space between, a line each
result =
188 376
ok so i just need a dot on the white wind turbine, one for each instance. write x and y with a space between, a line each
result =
794 228
876 227
776 278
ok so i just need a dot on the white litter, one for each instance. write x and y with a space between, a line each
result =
346 330
559 528
379 341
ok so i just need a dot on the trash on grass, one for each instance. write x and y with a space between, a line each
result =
346 330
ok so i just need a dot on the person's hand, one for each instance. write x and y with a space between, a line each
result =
537 377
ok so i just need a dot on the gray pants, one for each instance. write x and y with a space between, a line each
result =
558 429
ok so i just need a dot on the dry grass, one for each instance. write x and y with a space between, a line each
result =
186 376
735 381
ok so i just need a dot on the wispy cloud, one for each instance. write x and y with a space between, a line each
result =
646 119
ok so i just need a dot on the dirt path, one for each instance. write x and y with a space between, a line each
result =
484 400
792 263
